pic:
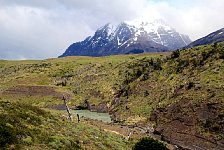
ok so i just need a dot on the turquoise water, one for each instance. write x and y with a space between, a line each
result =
105 117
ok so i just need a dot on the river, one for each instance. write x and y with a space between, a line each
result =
105 117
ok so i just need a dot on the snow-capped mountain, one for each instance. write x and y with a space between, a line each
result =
129 37
217 36
161 33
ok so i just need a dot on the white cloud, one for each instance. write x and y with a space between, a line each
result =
37 33
35 29
196 18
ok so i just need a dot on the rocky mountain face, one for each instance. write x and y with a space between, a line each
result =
129 37
217 36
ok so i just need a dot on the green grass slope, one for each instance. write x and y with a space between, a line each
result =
30 91
24 126
180 94
82 78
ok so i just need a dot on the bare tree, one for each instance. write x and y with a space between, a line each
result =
78 118
65 98
129 135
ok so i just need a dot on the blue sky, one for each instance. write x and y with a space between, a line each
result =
35 29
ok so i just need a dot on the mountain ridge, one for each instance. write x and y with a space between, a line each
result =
214 37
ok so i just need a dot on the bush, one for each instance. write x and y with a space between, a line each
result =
190 85
147 143
157 64
221 54
182 64
7 135
27 140
175 54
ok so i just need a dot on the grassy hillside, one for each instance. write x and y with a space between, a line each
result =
32 91
24 126
179 94
79 77
182 95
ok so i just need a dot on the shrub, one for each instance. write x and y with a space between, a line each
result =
175 54
182 64
157 64
146 93
63 73
147 143
215 45
7 135
27 140
190 85
221 53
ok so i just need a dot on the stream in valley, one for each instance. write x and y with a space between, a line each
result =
105 117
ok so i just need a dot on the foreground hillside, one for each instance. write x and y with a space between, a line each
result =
31 99
179 96
24 126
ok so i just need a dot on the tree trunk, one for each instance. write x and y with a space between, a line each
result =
78 118
68 110
129 135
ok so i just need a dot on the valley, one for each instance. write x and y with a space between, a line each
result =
111 75
32 87
175 97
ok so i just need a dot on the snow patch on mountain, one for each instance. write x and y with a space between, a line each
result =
159 31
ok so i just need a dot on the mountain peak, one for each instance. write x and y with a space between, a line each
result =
130 36
155 24
106 27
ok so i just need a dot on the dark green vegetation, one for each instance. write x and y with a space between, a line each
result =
180 94
149 144
24 126
183 96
